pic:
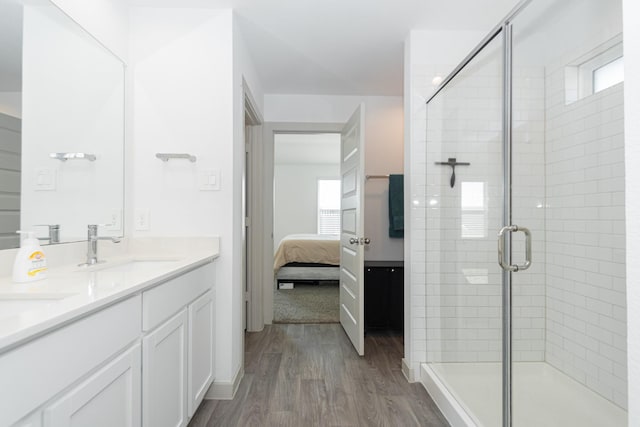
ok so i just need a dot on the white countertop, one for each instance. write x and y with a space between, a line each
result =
70 292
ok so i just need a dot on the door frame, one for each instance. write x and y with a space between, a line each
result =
252 224
261 306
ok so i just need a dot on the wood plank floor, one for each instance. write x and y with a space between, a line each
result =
310 375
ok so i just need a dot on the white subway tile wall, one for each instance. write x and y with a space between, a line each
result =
586 284
463 279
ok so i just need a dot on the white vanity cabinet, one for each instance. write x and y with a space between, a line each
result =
51 365
177 348
146 359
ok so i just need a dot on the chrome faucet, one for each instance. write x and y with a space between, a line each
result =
54 233
92 244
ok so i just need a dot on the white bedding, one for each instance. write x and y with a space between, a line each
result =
308 248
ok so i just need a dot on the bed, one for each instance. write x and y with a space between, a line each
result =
307 258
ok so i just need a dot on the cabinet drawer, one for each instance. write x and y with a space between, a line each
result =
33 373
165 300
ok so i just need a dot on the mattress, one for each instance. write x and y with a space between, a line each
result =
308 248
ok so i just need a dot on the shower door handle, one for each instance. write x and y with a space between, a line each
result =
501 252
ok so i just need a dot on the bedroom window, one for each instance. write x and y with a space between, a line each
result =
328 206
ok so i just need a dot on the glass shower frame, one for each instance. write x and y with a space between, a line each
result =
504 30
511 243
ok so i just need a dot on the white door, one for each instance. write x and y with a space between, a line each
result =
110 397
352 240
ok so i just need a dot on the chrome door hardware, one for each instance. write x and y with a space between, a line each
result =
359 241
63 157
501 252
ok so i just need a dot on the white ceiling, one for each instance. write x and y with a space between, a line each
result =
301 149
331 47
342 47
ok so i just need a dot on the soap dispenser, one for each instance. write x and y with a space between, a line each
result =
30 263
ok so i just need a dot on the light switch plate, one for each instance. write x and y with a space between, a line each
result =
209 180
45 180
141 219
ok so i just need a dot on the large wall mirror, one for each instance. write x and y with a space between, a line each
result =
61 127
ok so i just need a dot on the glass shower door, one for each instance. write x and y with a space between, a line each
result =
567 187
464 206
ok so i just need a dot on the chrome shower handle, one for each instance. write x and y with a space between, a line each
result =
501 252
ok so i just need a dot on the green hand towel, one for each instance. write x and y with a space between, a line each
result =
396 205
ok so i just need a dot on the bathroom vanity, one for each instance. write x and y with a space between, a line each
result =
127 342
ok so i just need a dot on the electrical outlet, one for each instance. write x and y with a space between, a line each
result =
141 219
114 222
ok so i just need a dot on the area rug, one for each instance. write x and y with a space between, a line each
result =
307 304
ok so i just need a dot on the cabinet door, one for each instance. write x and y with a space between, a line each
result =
200 349
164 378
110 397
376 302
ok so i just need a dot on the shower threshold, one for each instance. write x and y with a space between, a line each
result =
469 394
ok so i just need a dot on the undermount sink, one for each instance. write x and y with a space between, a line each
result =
136 265
16 303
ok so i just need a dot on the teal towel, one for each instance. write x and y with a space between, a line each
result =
396 205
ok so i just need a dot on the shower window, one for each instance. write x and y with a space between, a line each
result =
473 212
596 71
608 75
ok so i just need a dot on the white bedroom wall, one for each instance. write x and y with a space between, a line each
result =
296 197
383 151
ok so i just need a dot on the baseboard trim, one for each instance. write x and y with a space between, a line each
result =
225 390
446 402
408 372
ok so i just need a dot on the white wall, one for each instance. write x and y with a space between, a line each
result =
631 17
296 198
585 238
182 101
187 66
383 151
